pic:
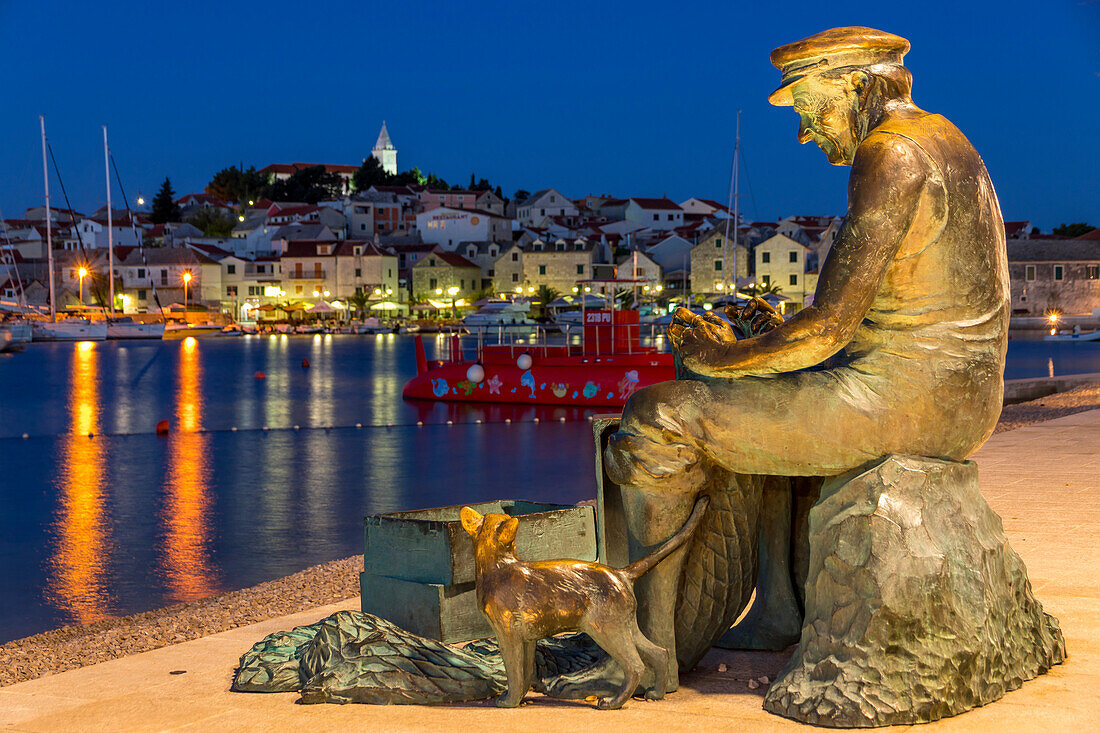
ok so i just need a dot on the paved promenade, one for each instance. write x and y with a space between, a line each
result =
1044 481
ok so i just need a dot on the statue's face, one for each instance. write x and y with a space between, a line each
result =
828 111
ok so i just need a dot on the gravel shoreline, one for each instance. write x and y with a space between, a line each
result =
71 647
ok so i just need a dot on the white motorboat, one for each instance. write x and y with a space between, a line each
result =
69 329
14 336
499 313
1076 335
372 325
127 328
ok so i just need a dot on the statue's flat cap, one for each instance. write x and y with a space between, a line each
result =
833 49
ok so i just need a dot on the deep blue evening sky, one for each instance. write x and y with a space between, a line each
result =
631 98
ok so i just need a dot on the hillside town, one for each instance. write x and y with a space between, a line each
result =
408 246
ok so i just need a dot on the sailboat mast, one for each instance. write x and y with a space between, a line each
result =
110 234
736 199
49 231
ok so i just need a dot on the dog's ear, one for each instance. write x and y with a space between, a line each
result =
508 529
471 521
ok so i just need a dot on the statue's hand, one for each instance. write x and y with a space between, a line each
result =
701 341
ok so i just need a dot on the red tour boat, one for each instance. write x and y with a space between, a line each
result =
603 371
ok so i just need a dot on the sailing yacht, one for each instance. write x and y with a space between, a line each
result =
69 329
122 327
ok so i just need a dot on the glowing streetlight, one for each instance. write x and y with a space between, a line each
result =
186 282
453 291
140 201
327 293
82 273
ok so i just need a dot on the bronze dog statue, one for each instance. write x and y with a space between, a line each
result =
528 601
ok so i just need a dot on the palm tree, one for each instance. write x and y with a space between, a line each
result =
765 289
545 295
358 301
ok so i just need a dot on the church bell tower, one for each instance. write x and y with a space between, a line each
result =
385 152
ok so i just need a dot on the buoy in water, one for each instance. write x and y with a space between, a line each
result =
162 427
305 363
259 375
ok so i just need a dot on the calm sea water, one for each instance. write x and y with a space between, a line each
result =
125 521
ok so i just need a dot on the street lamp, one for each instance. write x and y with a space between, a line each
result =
453 291
82 273
186 282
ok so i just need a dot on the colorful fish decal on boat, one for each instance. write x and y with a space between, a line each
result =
528 381
559 389
440 387
495 384
591 389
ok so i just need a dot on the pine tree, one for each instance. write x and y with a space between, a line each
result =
370 174
165 208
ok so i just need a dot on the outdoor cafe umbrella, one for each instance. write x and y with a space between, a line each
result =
321 307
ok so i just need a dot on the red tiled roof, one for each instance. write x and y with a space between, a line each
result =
661 203
468 211
295 167
329 167
1093 235
308 248
202 197
278 168
274 210
714 204
400 190
1015 227
453 259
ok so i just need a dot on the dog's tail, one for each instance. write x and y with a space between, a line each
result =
637 569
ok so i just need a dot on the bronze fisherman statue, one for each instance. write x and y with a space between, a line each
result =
901 353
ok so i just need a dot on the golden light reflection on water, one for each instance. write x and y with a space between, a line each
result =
184 558
77 582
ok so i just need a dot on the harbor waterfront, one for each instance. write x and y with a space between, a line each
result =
106 518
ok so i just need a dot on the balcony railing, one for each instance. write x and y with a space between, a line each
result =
311 275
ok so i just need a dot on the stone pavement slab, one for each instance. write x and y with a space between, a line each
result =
1044 480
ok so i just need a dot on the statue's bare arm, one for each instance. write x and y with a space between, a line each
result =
893 187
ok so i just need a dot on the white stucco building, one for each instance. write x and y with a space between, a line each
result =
448 227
